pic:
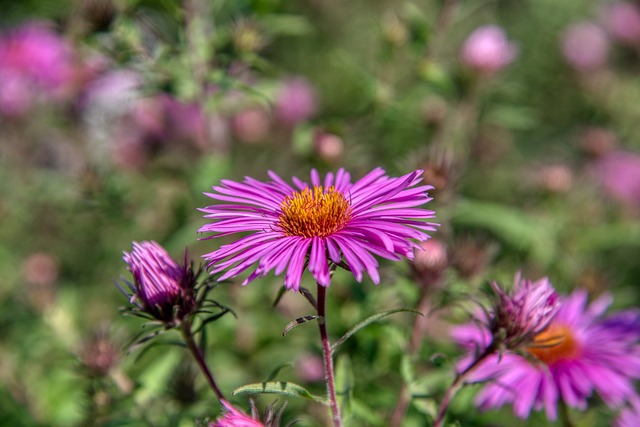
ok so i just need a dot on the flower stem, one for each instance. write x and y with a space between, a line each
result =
564 414
327 357
458 383
202 364
417 335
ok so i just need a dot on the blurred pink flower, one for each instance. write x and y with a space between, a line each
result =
623 21
328 146
630 416
619 174
310 368
38 54
35 62
251 125
295 101
585 46
487 50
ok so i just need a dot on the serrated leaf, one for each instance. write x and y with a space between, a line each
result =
368 321
282 388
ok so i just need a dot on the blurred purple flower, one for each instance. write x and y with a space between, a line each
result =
251 125
630 415
619 174
331 221
623 21
487 50
162 288
585 46
580 352
234 418
35 62
38 54
328 146
295 102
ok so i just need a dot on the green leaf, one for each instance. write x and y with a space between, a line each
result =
344 382
282 388
368 321
274 373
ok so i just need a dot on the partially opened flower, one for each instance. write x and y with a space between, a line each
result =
162 289
330 221
580 352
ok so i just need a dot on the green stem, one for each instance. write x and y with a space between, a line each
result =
564 414
327 357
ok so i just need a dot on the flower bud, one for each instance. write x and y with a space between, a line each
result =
585 47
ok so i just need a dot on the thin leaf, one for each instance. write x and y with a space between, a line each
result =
370 320
274 373
281 292
282 388
299 321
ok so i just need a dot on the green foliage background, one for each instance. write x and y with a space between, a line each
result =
390 84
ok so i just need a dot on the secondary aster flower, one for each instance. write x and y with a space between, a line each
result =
331 220
235 418
161 287
580 352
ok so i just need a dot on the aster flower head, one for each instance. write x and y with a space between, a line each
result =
521 314
329 222
162 289
580 352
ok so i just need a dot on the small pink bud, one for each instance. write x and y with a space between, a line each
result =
328 146
251 125
487 50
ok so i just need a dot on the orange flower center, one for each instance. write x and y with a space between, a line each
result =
316 212
553 344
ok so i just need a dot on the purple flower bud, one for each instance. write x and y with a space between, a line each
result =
235 418
162 288
585 47
518 316
487 50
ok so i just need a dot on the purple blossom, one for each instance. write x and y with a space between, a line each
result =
585 46
488 50
619 174
630 415
295 102
330 221
162 288
523 313
623 21
582 351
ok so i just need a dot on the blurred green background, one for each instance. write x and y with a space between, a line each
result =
117 115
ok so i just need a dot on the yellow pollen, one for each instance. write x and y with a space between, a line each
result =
553 344
316 212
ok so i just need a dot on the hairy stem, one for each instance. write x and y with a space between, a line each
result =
458 383
327 357
196 351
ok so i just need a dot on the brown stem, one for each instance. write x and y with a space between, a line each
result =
196 351
327 357
458 383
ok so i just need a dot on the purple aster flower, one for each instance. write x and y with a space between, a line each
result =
162 288
330 221
235 418
580 352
